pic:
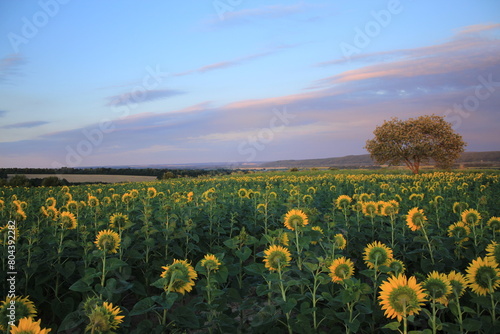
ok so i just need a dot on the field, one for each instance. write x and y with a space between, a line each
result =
304 252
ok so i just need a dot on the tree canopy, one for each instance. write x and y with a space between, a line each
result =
416 141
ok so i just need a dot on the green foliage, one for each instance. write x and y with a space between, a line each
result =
416 141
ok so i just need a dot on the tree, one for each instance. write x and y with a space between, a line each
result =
416 141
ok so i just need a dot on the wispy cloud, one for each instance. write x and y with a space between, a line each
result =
252 14
233 62
146 96
10 66
23 124
3 112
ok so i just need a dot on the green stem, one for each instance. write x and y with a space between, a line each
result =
428 244
434 313
299 261
103 278
460 317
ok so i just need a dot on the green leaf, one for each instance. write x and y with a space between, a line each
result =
114 263
471 325
244 253
165 300
72 320
80 286
143 306
310 266
393 325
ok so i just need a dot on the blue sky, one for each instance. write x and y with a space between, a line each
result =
86 83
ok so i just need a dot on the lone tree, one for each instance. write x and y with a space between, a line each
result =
416 141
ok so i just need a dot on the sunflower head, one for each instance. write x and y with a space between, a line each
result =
397 267
92 201
494 223
339 241
438 287
370 208
493 252
103 317
126 198
151 192
415 219
179 276
277 257
341 269
343 202
295 219
459 230
471 217
377 254
29 326
67 220
119 221
483 276
390 208
50 201
458 207
23 306
401 297
458 283
210 262
243 193
108 241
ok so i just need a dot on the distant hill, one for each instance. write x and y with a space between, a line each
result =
468 159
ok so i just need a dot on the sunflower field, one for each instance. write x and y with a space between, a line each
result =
305 252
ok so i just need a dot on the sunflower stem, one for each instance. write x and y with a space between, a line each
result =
434 313
299 260
460 316
103 278
428 244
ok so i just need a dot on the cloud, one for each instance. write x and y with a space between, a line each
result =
142 96
451 63
10 66
233 62
232 16
335 119
31 124
3 112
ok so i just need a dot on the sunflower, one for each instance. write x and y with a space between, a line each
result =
401 297
493 252
494 223
415 219
377 254
28 326
23 306
339 241
108 241
67 220
471 217
438 287
210 262
151 192
93 201
277 257
370 208
179 276
341 269
72 206
364 197
243 193
317 229
295 219
458 207
51 201
459 230
483 276
126 198
342 202
190 196
118 220
390 208
103 317
458 283
397 266
284 239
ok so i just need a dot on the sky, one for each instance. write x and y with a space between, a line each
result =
109 83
